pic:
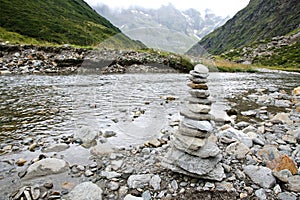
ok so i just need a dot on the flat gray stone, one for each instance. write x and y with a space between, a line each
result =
192 164
199 93
188 142
139 181
198 108
260 175
283 175
198 75
56 148
216 174
46 167
198 100
286 196
197 80
189 114
294 183
204 126
210 149
193 132
86 190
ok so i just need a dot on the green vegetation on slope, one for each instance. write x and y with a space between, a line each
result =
261 19
287 57
59 22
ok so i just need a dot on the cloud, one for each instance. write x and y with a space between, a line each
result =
220 7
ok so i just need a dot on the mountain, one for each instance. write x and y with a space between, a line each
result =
165 28
58 22
260 20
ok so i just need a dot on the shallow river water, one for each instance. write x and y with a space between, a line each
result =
134 106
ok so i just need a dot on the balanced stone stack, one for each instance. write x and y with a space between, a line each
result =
193 151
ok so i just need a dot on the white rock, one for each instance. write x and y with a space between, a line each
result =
139 181
86 190
131 197
201 69
46 167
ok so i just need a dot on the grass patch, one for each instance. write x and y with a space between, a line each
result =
222 65
58 22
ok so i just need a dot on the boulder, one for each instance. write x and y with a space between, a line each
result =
238 149
260 175
192 164
139 181
232 135
86 190
86 136
102 149
46 167
294 183
283 118
268 153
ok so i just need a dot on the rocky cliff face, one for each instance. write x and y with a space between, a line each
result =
165 28
261 19
278 51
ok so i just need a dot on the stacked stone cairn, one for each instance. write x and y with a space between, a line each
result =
193 150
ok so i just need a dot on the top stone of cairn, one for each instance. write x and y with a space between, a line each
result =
201 69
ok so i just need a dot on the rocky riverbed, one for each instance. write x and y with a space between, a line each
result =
259 143
30 59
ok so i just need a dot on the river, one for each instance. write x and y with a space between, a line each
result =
134 106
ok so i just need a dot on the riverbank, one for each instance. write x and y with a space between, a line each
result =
30 59
263 125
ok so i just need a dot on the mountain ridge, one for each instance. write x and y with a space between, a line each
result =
259 20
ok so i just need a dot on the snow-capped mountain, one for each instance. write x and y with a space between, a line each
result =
165 28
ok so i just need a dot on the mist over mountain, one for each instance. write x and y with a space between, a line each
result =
166 28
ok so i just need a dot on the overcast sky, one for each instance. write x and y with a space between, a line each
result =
219 7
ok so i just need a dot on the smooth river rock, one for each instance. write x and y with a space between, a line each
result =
102 149
139 181
56 148
86 190
86 136
46 167
202 69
